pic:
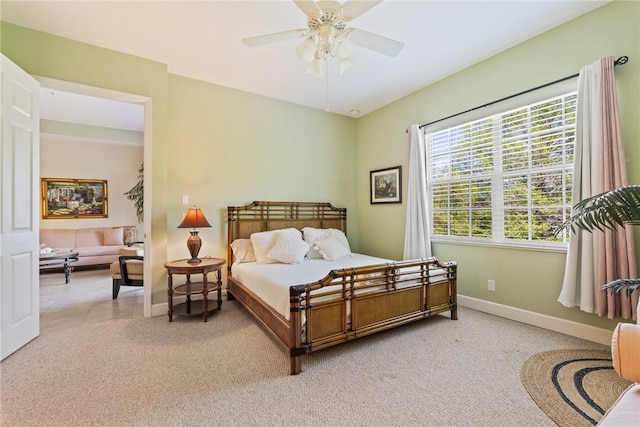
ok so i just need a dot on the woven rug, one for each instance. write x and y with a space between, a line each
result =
573 387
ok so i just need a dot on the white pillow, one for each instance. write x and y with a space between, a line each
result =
262 243
339 234
242 251
331 248
289 247
311 235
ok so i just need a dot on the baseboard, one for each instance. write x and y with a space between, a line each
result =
159 309
567 327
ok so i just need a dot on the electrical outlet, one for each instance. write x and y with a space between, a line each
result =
491 285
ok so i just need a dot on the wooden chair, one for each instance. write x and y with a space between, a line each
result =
128 270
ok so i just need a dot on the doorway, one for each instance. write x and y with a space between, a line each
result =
131 113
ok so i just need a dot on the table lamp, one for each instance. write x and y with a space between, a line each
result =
194 219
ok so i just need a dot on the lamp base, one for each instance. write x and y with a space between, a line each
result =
193 244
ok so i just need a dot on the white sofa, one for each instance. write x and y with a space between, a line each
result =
95 246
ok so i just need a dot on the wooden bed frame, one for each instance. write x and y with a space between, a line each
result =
377 304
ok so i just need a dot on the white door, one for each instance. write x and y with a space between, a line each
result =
19 208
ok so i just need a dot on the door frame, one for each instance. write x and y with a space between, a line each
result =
145 101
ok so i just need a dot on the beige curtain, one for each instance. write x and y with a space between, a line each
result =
594 259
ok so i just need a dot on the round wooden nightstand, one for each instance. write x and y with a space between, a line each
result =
198 307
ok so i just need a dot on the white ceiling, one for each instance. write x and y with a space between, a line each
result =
61 106
202 40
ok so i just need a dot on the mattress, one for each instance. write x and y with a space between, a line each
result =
271 282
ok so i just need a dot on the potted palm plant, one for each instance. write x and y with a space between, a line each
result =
136 194
606 210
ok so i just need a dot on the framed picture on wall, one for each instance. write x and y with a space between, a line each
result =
386 185
74 198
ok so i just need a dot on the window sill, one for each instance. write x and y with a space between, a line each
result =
559 248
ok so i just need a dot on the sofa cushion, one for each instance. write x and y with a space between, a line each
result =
98 250
113 236
57 238
135 269
133 250
89 237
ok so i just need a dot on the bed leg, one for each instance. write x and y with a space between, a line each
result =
296 364
454 312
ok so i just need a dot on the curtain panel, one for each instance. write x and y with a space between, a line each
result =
417 237
594 259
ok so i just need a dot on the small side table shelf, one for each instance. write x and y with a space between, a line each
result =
194 308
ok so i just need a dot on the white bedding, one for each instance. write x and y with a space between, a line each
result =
271 282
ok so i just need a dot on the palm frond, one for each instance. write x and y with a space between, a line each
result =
617 286
605 210
136 194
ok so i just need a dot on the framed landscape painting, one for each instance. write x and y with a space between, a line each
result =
386 185
73 198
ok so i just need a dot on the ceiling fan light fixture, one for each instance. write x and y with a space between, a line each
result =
307 49
315 67
327 34
346 65
343 48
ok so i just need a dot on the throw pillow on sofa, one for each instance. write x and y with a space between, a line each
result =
114 236
130 233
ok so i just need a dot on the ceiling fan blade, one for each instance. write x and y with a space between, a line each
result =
273 37
351 9
375 42
309 7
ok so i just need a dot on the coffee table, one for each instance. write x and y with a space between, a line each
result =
63 259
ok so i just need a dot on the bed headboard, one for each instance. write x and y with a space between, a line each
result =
265 216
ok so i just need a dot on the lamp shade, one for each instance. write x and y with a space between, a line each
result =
194 219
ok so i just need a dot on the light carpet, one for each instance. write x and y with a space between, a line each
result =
228 371
573 387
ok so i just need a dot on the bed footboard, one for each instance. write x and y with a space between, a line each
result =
354 302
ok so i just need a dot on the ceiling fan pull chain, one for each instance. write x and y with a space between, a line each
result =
326 72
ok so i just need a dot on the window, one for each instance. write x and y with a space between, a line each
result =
505 178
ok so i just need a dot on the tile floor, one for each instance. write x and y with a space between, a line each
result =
85 300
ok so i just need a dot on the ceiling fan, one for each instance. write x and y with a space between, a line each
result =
327 34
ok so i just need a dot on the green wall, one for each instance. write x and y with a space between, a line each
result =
526 279
230 148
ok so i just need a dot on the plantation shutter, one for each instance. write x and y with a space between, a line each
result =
507 176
